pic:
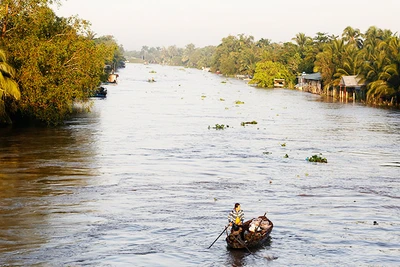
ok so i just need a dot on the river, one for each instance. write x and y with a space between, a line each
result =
146 180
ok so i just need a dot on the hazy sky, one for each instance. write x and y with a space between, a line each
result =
136 23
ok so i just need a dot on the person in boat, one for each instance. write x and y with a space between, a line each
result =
236 218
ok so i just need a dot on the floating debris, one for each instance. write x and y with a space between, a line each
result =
317 158
238 102
286 156
219 127
284 144
248 122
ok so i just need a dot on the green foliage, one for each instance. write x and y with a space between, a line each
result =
55 63
317 158
267 71
244 123
373 56
219 127
236 55
9 89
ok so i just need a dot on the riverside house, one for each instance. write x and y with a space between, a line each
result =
351 87
310 83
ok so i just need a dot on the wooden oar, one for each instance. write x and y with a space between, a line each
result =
219 236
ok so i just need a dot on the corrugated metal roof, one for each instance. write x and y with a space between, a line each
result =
312 76
350 81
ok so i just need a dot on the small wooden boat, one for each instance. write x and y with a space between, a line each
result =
253 233
100 92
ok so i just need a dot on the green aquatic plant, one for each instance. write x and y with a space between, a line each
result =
238 102
286 156
283 145
219 127
248 122
152 71
317 158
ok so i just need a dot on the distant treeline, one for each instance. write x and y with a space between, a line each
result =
48 63
374 56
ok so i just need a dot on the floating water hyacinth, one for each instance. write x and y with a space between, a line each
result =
248 122
317 158
219 127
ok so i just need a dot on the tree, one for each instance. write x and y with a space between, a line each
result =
56 64
352 36
382 71
8 88
118 59
267 71
302 40
328 61
187 53
351 62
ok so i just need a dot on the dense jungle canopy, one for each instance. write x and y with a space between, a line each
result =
47 62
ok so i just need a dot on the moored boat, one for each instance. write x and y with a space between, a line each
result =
100 92
253 233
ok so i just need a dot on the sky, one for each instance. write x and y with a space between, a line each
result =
163 23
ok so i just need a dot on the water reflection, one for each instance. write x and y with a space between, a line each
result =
36 165
243 257
236 258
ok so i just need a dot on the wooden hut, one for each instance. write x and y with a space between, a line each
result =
350 87
310 82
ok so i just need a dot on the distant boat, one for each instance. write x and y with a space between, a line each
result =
100 92
112 78
279 83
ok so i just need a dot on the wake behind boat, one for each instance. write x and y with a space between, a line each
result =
253 233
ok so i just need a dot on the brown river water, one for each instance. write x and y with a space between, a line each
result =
143 180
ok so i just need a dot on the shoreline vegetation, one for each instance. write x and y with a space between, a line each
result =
372 59
49 63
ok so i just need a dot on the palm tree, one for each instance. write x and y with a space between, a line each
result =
8 88
328 61
91 35
351 63
382 68
301 39
352 36
321 37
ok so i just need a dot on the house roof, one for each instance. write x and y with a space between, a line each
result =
312 76
350 81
